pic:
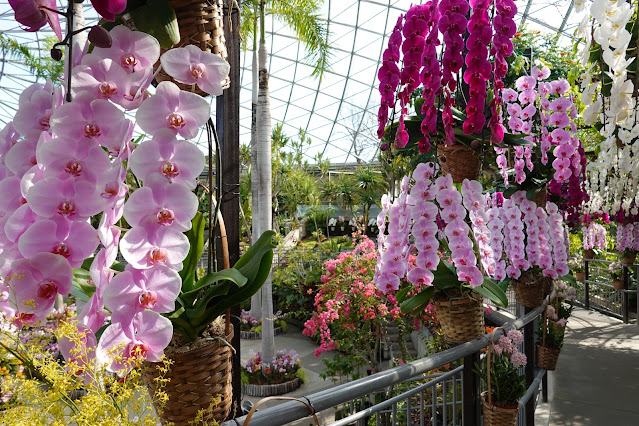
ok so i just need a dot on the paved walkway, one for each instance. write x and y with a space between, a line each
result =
597 378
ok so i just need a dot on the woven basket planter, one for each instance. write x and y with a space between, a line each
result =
497 416
629 260
530 290
254 335
580 276
270 390
589 254
197 377
201 24
462 318
547 357
460 161
540 198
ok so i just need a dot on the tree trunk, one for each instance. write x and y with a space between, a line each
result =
256 299
262 219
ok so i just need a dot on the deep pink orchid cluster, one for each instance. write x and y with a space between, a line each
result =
63 164
483 32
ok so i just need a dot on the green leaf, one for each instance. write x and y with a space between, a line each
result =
503 284
493 292
417 302
196 245
157 18
401 294
568 278
81 289
231 274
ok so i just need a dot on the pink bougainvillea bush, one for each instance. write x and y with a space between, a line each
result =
351 313
63 170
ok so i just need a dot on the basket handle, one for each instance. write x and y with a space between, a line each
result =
280 398
543 339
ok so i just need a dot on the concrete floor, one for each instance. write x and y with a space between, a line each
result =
597 378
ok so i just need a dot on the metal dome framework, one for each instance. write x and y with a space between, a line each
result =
338 112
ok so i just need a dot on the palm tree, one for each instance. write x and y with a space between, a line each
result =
370 189
303 17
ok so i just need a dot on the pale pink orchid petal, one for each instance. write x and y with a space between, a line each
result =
77 201
35 108
73 240
19 222
143 251
135 290
92 315
171 108
8 137
160 203
191 65
21 157
7 257
100 272
145 337
178 160
75 159
133 50
80 352
32 176
110 238
11 198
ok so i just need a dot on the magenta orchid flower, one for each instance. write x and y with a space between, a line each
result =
160 203
36 281
74 241
144 338
191 65
171 108
34 14
164 246
109 8
135 290
179 161
135 51
76 201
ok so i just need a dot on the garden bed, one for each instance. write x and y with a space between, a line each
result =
254 335
273 389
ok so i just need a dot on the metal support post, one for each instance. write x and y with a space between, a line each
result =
586 285
470 383
529 350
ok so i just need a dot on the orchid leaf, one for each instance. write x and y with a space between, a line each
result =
493 292
81 289
157 18
417 302
569 278
196 245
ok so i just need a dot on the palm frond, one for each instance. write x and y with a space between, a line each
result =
40 67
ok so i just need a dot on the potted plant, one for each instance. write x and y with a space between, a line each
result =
552 330
577 266
616 273
629 255
500 371
282 375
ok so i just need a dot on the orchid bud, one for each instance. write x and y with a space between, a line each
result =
384 146
100 37
56 54
474 144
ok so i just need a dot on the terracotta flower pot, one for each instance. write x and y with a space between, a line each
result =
589 254
629 260
580 276
617 284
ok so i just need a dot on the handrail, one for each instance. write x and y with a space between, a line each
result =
290 411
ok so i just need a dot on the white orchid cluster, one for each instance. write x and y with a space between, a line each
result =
606 26
614 177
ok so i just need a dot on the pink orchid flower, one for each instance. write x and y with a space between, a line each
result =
11 198
33 14
144 338
22 156
73 240
191 65
8 137
160 203
164 246
178 160
92 315
76 201
74 159
35 107
113 191
105 79
171 108
36 281
100 272
19 222
135 290
133 50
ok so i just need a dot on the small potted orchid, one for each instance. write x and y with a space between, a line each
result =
447 230
616 273
576 265
552 330
505 380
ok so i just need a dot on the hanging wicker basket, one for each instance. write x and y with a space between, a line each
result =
460 161
199 378
589 254
201 24
540 198
530 289
497 416
461 318
629 260
547 357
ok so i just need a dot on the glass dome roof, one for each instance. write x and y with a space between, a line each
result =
338 112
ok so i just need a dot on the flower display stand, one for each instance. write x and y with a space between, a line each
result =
254 335
271 389
497 416
460 161
197 377
461 318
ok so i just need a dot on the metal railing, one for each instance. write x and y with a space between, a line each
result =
597 292
409 395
